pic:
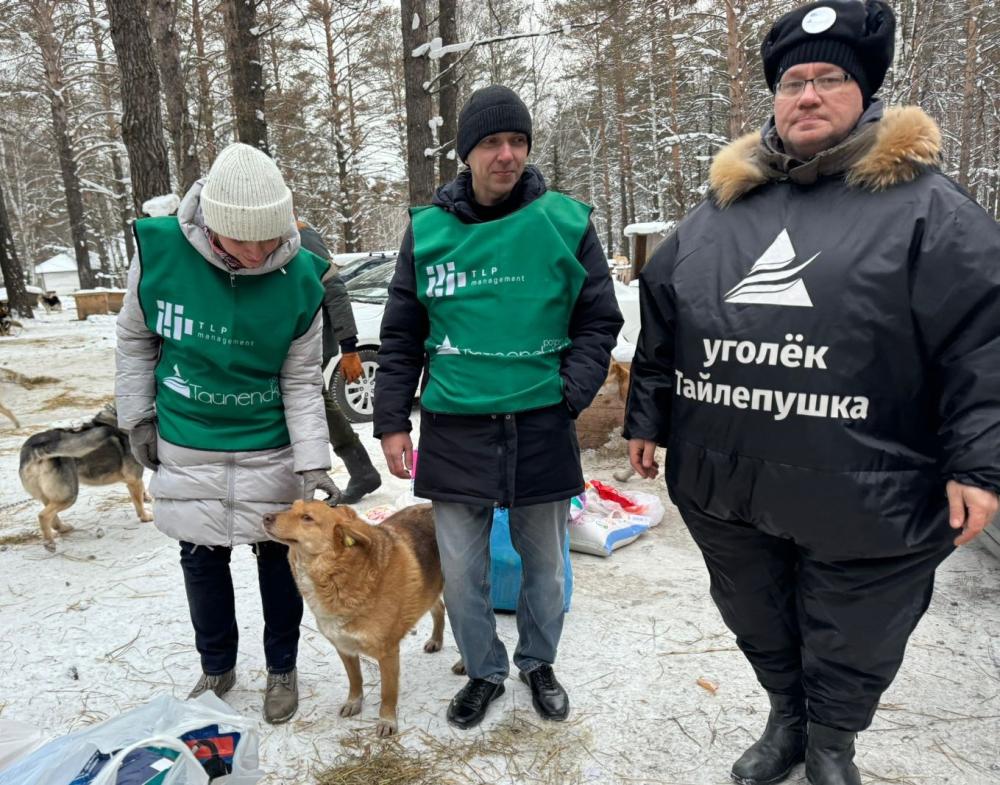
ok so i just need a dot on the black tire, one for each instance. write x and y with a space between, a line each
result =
356 399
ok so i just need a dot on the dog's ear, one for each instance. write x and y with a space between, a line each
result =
346 535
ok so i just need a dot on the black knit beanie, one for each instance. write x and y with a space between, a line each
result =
491 110
857 36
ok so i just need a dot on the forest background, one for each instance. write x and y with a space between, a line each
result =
105 104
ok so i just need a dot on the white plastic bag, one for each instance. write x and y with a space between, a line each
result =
17 739
59 761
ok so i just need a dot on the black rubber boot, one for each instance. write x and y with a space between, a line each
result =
830 756
364 476
780 748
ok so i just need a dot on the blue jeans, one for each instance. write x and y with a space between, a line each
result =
537 532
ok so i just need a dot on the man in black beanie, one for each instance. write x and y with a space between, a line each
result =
502 297
818 351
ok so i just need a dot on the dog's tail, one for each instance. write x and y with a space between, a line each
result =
63 444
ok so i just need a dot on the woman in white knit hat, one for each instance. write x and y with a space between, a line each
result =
219 384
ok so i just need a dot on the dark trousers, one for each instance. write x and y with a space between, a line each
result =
832 631
209 586
341 433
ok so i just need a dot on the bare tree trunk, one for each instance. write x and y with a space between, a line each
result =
626 183
246 71
142 125
13 276
206 111
359 214
163 26
419 165
734 62
974 8
56 91
448 95
345 198
122 205
605 152
675 149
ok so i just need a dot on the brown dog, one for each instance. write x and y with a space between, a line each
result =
367 586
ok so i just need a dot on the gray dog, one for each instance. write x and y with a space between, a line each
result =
55 462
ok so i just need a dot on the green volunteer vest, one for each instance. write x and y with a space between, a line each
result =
225 338
499 296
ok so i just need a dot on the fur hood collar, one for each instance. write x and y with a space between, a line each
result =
906 141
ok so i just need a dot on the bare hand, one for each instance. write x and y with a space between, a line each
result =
970 509
641 457
350 366
398 450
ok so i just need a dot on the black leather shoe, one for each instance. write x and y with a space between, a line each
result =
771 758
547 694
469 706
830 756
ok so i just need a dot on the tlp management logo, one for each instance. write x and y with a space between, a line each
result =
442 280
170 320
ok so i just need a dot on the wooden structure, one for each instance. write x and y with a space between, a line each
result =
647 236
91 301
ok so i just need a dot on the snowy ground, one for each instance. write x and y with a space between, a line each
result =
102 626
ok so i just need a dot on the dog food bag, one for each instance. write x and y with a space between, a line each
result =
607 519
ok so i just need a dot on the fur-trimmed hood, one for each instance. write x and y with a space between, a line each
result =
906 141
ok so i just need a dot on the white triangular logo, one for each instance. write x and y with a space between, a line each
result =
773 279
447 348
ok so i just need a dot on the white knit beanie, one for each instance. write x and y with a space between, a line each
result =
245 196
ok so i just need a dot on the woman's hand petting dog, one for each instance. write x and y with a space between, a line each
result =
318 479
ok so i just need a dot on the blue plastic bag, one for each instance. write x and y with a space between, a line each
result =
505 566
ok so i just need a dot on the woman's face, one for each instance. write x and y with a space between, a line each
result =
249 253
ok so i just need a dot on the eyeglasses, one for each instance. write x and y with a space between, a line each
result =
793 88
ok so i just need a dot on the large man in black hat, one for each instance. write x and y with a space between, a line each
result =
502 295
819 352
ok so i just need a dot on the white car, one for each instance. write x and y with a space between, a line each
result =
369 292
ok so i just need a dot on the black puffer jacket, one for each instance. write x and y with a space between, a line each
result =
822 353
505 458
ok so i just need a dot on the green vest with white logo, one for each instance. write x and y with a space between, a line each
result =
225 339
499 296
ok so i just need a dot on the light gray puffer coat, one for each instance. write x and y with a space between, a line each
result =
219 498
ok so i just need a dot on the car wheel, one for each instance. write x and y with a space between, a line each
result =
357 399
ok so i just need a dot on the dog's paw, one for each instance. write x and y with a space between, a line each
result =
386 728
350 708
458 668
432 646
146 517
50 545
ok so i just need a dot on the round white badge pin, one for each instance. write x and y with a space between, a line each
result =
819 19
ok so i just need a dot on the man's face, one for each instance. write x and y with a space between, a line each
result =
497 163
250 253
814 121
